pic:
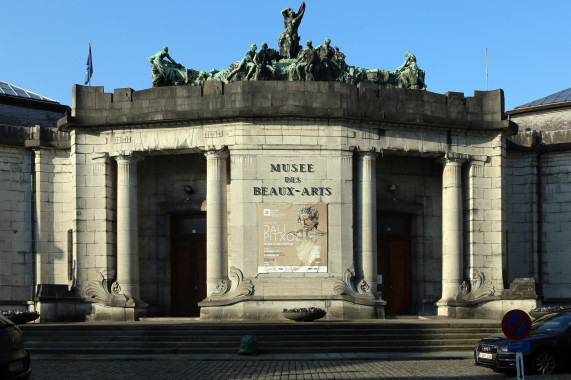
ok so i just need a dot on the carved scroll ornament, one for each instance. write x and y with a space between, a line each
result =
349 286
101 292
233 287
478 288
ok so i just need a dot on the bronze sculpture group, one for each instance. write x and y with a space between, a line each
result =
290 63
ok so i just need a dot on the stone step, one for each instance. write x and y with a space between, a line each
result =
262 326
297 349
294 335
198 338
299 330
277 342
222 339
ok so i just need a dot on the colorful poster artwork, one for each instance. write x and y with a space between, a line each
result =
292 238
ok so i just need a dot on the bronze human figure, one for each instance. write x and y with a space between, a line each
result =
307 60
246 65
263 61
289 39
165 70
291 63
410 76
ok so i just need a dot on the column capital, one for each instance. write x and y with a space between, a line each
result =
368 154
128 158
216 152
452 158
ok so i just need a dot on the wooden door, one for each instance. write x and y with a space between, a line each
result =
394 263
188 266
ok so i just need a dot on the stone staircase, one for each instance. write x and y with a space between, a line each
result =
273 338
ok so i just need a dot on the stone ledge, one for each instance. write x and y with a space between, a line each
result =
237 300
274 99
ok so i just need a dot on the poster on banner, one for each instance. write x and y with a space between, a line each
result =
292 238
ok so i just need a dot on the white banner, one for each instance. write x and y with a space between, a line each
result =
292 238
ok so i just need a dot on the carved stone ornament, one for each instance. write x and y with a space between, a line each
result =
101 292
348 286
521 288
477 289
233 287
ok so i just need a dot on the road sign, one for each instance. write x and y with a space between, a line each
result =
519 366
519 346
516 324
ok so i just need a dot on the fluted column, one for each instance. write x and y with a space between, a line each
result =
127 225
216 223
452 230
367 218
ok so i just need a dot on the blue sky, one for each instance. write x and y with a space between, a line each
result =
45 43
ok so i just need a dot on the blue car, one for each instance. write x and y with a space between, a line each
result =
14 359
546 349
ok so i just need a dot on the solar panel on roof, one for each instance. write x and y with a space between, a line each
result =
8 89
21 93
558 97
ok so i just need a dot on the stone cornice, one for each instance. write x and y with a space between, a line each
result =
92 107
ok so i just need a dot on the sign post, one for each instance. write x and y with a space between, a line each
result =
516 325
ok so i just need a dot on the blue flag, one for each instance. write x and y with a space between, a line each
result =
89 70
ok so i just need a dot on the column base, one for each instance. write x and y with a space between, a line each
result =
101 312
265 309
491 308
446 307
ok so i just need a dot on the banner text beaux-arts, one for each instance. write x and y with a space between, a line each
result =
289 190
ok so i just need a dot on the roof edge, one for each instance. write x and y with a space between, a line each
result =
45 104
542 107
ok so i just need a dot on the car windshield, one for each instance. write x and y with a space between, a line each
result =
552 322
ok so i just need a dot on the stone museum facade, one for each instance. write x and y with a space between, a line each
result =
234 201
289 179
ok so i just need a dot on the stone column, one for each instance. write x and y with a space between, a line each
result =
216 219
127 225
452 230
367 218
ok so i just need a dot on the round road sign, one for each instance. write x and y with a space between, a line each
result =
516 324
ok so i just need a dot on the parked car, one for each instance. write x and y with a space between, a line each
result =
14 359
549 343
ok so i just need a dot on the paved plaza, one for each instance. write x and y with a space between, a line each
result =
262 369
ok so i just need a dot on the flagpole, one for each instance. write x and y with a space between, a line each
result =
486 69
90 64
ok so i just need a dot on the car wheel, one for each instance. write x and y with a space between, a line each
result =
543 363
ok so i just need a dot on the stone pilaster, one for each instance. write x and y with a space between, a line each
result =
216 219
127 225
474 220
452 230
367 219
341 213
